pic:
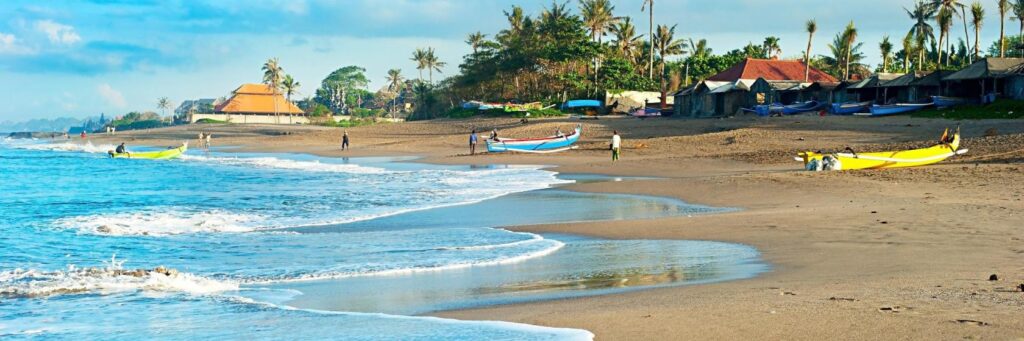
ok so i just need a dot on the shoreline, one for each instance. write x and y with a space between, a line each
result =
853 254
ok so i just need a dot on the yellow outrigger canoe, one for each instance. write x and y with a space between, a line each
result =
154 155
949 147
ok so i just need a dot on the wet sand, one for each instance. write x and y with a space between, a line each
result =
890 254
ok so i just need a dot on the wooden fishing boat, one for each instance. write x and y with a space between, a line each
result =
799 108
850 108
946 148
895 109
549 144
152 155
946 102
646 113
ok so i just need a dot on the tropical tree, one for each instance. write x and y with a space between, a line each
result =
850 36
977 20
432 63
667 45
945 20
290 87
908 46
1004 6
337 88
649 5
700 49
598 17
273 74
922 30
954 8
396 83
626 40
811 27
885 47
475 40
420 57
1018 12
771 46
163 104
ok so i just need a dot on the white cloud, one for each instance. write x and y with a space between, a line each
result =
57 32
112 96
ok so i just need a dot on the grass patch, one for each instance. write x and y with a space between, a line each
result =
533 113
1001 109
210 121
347 124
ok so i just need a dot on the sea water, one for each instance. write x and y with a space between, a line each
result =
272 246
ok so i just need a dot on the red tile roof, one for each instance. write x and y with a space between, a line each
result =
257 99
771 70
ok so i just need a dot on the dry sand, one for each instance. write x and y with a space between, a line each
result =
890 254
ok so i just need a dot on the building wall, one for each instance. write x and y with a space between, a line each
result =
634 99
270 119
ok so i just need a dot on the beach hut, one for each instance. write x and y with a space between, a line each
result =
744 84
870 89
989 76
257 103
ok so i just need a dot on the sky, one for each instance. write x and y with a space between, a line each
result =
82 58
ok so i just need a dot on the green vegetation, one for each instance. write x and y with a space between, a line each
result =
1001 109
348 124
210 121
135 120
459 112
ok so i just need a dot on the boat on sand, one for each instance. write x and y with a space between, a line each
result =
549 144
152 155
946 148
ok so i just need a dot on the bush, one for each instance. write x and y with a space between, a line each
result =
147 124
1001 109
210 121
534 113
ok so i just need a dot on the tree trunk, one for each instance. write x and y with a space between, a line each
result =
650 37
939 50
967 36
849 52
977 46
807 58
1002 36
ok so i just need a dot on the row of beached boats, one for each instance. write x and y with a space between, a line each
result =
867 108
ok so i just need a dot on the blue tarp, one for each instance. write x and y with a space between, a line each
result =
582 103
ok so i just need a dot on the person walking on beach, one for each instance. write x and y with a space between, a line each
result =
616 145
200 141
83 134
209 137
472 142
344 140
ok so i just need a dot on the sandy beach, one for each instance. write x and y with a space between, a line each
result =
890 254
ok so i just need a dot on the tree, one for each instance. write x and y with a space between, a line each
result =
475 40
626 39
977 19
951 7
922 31
811 27
944 19
420 57
908 46
844 56
272 76
598 17
431 63
649 5
850 35
337 89
1018 12
771 46
700 49
163 104
667 45
885 47
289 86
1004 6
395 84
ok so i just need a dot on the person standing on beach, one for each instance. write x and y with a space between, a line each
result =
344 140
472 142
83 134
200 141
113 130
209 136
616 145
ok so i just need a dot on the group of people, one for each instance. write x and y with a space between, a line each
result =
205 139
111 130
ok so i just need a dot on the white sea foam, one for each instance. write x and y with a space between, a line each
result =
162 223
86 147
278 163
112 279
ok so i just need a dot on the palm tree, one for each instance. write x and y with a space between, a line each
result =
908 45
1004 6
163 104
885 47
699 49
290 87
667 45
395 84
431 63
420 57
597 16
771 46
649 4
272 76
625 37
1018 12
977 19
945 20
850 35
812 27
475 40
922 31
952 6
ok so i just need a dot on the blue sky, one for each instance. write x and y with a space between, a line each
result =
81 58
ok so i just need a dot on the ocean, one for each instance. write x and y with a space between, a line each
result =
272 246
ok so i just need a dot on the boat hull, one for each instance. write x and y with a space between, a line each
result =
153 155
794 109
896 109
946 102
541 145
893 159
850 108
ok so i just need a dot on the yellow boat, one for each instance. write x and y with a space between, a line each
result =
948 147
154 155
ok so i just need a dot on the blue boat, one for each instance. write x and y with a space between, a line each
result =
765 109
798 108
549 144
946 102
895 109
582 103
850 108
